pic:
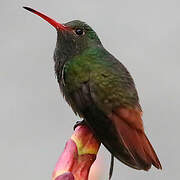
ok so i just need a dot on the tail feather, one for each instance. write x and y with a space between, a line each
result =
122 133
151 153
136 143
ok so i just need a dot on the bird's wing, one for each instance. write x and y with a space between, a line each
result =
113 91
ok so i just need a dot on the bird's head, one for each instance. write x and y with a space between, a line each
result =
73 37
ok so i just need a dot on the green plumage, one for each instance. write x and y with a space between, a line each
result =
110 82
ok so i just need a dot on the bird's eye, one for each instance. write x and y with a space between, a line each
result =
79 31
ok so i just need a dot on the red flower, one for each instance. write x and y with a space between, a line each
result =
78 156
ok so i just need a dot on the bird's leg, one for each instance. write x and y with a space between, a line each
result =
79 123
111 167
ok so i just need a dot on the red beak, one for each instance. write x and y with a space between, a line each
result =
57 25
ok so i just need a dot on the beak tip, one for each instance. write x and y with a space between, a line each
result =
46 18
28 8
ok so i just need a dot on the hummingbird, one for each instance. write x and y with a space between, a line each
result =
99 89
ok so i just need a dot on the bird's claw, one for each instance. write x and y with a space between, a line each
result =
78 123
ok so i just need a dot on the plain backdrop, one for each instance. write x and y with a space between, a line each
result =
35 121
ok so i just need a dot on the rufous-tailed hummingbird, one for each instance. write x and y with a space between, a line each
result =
101 91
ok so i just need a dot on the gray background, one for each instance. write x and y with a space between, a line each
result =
35 121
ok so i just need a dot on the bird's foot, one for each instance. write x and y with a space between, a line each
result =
78 123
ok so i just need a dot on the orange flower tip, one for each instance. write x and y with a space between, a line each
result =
65 176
